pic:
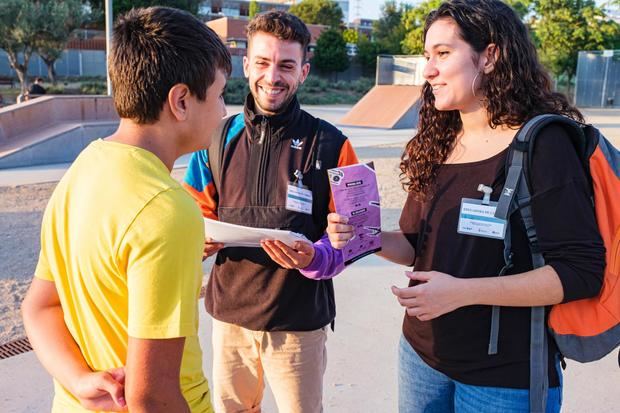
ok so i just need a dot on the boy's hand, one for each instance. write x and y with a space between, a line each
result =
299 257
211 248
102 390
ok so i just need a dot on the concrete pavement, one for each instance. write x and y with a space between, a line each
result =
361 368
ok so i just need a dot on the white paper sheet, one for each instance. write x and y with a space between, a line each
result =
240 236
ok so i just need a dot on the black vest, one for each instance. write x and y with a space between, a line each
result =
246 287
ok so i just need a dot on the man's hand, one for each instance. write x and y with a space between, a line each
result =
435 294
102 390
211 248
299 257
338 231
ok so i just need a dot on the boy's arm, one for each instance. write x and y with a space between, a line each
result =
153 368
161 252
60 355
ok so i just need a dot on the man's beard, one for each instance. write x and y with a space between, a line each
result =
290 94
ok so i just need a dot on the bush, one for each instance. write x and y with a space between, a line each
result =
55 90
314 91
236 91
94 88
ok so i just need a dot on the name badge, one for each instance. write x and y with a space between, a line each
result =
479 220
299 199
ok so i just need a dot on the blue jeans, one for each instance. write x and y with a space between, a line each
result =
422 389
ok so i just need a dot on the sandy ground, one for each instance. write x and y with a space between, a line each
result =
22 207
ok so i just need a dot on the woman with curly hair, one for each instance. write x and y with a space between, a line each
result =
483 82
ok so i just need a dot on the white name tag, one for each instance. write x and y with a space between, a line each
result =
299 199
479 220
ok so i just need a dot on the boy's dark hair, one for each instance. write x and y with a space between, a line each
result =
156 48
282 25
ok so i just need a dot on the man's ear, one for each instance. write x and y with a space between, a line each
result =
491 55
305 70
178 100
246 67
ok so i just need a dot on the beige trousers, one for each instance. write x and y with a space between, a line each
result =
293 362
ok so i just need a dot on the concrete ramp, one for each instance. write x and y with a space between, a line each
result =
53 129
386 106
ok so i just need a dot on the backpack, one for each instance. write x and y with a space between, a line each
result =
588 329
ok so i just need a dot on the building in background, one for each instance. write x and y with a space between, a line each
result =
363 26
214 9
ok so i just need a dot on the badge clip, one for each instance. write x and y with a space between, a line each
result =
298 178
486 190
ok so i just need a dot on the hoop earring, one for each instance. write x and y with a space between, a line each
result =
473 84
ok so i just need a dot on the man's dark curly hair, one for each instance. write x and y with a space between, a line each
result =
516 90
283 25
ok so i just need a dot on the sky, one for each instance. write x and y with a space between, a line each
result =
368 9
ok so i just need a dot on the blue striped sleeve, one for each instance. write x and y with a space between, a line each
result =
198 175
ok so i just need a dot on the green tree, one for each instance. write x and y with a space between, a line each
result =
123 6
58 19
350 36
367 52
326 12
331 52
413 21
254 9
564 27
389 31
19 28
522 7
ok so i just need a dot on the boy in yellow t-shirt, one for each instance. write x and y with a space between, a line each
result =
112 310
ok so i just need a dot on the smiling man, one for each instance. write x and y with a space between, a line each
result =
269 319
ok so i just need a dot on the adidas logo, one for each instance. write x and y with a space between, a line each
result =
296 144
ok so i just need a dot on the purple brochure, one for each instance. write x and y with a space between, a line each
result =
356 195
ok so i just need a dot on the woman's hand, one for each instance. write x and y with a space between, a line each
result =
338 231
434 294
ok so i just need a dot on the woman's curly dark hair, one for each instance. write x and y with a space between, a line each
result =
516 90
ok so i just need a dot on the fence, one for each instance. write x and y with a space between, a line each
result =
73 62
598 79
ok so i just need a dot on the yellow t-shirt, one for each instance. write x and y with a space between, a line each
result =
123 241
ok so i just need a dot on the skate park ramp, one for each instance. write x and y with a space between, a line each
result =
386 106
393 103
53 129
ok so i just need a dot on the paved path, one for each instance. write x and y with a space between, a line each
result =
361 372
361 368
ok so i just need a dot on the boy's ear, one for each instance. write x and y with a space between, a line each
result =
178 100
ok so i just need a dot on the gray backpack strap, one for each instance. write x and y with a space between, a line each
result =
539 378
516 196
216 149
